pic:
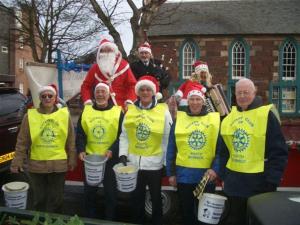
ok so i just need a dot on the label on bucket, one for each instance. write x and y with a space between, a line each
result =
126 177
210 209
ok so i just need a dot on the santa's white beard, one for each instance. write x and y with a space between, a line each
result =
106 62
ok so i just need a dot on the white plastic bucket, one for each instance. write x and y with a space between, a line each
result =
211 207
94 167
15 194
126 176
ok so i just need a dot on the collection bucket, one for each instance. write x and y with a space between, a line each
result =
211 207
15 194
126 177
94 167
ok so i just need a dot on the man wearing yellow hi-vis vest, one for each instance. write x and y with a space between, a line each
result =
144 141
98 131
254 154
193 151
47 138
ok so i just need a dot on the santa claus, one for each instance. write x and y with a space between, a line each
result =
113 70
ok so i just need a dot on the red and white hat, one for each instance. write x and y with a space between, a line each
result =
151 82
200 66
196 92
51 87
105 42
145 47
101 84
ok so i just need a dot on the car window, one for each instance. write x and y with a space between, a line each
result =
12 104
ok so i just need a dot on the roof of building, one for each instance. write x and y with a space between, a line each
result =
227 17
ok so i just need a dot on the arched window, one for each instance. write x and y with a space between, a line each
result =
188 54
238 60
285 93
238 65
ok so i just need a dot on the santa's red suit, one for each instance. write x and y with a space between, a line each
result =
122 82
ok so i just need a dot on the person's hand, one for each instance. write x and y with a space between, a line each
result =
172 181
16 169
109 154
211 173
123 159
88 102
82 155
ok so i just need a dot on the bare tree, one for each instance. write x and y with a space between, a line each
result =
48 25
140 20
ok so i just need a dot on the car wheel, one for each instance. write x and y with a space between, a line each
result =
169 204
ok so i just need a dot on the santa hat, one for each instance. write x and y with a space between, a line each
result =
200 66
150 82
196 92
106 42
145 47
51 87
101 84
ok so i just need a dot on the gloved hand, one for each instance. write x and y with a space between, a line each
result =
123 159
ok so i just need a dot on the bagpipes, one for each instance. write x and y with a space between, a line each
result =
216 100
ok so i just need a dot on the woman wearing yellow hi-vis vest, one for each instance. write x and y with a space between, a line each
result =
47 139
254 155
193 152
144 140
98 131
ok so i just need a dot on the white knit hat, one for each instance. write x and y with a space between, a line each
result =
197 93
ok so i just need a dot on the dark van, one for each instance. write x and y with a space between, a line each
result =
12 109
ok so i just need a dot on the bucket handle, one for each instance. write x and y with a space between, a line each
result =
95 163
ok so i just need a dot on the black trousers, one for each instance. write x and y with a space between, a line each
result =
48 191
152 178
236 213
110 195
189 203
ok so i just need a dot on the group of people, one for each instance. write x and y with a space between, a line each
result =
123 120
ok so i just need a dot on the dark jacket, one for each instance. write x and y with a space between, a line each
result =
81 138
276 154
184 174
154 68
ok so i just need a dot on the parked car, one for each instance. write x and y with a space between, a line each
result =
12 109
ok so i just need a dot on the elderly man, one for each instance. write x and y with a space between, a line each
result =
146 65
47 138
114 71
255 154
107 118
193 152
144 140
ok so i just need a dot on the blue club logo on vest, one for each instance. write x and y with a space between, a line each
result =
196 140
240 140
142 132
98 131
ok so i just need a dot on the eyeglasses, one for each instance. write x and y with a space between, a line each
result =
47 96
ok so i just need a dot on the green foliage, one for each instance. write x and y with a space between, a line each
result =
38 220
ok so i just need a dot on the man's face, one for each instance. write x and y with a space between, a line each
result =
195 104
47 98
144 56
101 96
106 49
245 94
145 93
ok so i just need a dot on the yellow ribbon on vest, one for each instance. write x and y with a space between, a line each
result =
100 127
244 134
145 128
196 139
48 134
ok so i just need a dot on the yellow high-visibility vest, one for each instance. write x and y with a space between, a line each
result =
100 127
244 134
196 139
145 128
48 134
